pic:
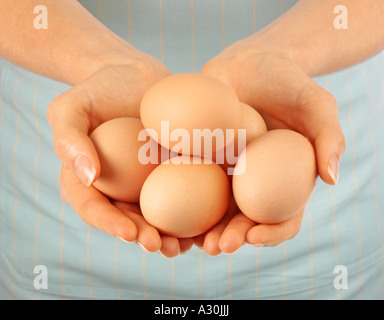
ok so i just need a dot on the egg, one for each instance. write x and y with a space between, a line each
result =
124 158
252 121
277 176
252 125
190 113
185 196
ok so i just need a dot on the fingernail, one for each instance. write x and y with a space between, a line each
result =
122 239
230 253
259 245
333 168
84 170
160 253
142 247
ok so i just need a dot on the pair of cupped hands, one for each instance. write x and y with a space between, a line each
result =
265 78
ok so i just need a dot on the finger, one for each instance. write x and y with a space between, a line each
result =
274 234
321 125
198 241
69 118
95 209
185 245
147 236
212 237
170 246
209 241
233 236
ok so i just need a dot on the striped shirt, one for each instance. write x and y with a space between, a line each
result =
48 252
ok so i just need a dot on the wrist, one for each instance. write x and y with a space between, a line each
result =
268 44
122 55
85 65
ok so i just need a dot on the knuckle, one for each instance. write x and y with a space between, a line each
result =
328 103
60 145
315 98
340 140
329 98
53 108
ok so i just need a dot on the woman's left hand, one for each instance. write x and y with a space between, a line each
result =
269 80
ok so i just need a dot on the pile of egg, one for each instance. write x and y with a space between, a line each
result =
184 189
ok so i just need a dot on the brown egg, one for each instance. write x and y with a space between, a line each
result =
190 111
278 176
254 126
183 198
123 158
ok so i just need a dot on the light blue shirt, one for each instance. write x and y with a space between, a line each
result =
338 253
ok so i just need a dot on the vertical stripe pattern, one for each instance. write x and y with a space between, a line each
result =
356 184
15 189
342 225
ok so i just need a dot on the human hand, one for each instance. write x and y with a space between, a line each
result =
270 81
235 229
112 92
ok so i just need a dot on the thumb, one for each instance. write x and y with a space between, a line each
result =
330 146
322 127
69 118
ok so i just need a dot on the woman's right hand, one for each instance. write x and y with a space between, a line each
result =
111 92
